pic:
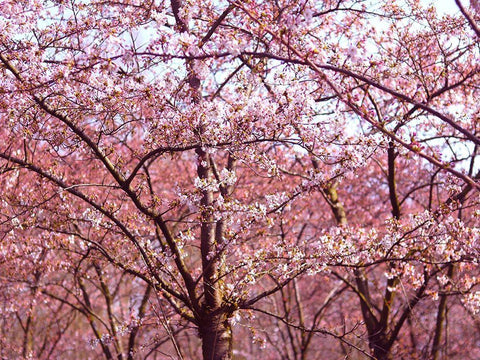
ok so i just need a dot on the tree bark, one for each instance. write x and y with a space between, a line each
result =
441 315
214 327
216 334
381 353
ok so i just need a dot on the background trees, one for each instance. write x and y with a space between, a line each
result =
300 175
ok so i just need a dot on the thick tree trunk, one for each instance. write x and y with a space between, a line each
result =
216 334
381 354
381 350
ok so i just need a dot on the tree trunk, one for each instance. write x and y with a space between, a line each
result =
441 315
379 344
216 334
382 354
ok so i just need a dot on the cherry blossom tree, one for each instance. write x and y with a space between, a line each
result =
185 178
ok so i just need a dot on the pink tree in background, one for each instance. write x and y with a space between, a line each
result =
294 176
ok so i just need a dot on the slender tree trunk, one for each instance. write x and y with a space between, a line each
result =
214 327
379 341
213 321
439 326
